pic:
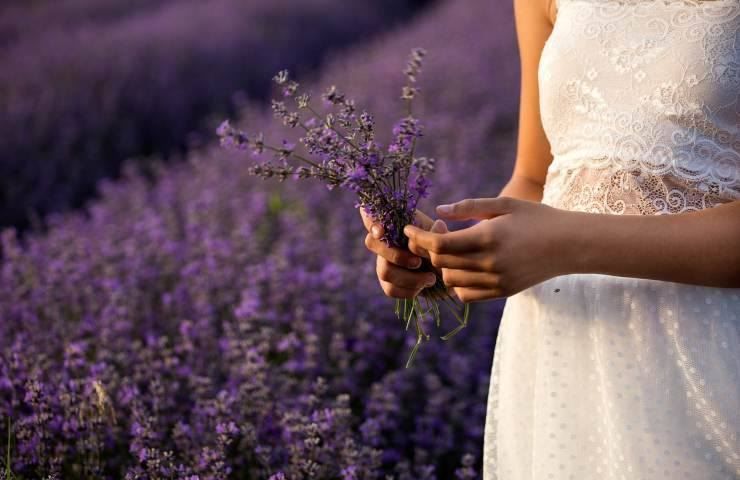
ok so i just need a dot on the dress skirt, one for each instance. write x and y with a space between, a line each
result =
604 377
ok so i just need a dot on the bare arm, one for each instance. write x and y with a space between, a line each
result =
700 248
521 242
534 21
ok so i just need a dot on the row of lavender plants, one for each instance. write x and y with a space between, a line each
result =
210 325
22 18
81 93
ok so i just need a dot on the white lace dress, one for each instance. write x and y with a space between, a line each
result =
604 377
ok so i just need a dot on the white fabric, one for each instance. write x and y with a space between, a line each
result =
603 377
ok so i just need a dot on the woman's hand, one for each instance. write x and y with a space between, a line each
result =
516 244
396 267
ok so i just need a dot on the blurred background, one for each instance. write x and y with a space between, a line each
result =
86 84
163 314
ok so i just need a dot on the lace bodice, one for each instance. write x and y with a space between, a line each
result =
640 100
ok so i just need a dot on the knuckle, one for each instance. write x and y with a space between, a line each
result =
463 206
489 264
369 241
438 244
503 227
395 256
412 246
383 270
489 235
396 292
435 260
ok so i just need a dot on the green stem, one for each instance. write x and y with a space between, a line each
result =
319 117
299 157
459 327
411 313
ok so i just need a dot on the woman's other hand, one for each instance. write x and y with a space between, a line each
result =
398 270
516 244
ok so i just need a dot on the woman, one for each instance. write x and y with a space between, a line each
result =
617 243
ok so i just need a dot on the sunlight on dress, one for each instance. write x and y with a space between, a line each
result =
596 376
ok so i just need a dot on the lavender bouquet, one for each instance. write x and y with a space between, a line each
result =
339 147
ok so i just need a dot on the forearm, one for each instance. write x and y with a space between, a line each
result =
701 248
522 188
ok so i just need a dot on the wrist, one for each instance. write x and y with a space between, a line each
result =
578 231
523 189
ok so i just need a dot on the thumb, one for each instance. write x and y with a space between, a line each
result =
476 208
439 226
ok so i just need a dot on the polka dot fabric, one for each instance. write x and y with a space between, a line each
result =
605 377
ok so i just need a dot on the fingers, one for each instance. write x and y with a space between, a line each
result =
396 256
470 295
393 291
399 282
460 241
472 261
420 218
476 208
465 278
438 226
423 220
375 229
402 277
366 220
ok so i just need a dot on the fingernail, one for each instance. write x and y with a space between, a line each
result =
416 262
444 209
431 281
375 230
439 227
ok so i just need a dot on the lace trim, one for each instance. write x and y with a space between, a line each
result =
620 191
640 106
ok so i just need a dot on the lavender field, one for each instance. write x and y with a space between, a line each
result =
194 322
86 84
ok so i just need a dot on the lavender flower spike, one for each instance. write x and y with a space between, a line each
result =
341 151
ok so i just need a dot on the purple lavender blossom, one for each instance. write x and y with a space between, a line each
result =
342 152
203 298
87 84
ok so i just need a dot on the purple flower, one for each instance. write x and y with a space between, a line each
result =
343 152
209 239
